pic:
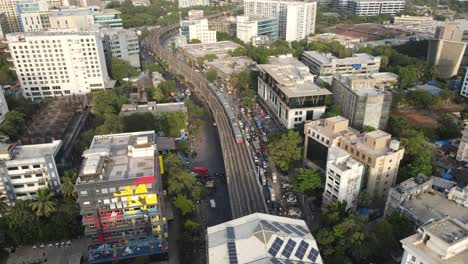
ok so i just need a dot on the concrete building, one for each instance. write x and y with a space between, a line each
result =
380 154
459 195
195 14
122 44
416 199
325 64
220 49
444 241
227 67
153 108
24 169
288 89
296 19
189 3
197 29
3 25
33 15
464 84
3 106
119 191
223 24
257 30
56 63
343 178
12 18
365 99
462 153
371 7
404 19
446 50
141 2
345 41
262 238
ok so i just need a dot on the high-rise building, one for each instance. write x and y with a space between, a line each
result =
119 191
122 44
365 99
262 238
343 178
325 64
464 84
371 7
446 50
462 153
442 241
3 106
56 63
296 19
288 89
257 30
189 3
380 154
197 29
25 169
12 18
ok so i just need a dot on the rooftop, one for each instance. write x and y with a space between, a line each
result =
119 157
262 238
286 59
220 49
411 183
320 127
228 66
31 151
153 107
327 58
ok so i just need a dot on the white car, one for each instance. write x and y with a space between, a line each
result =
274 177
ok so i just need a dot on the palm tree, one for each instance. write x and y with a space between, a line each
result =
44 204
67 187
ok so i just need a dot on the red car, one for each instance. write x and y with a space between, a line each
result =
200 171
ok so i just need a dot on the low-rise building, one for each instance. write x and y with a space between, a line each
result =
197 30
462 153
189 3
228 66
287 87
220 49
153 107
141 2
459 195
416 199
324 64
380 154
444 241
195 14
3 106
223 24
405 19
122 44
257 30
343 178
156 78
262 238
365 99
119 189
346 41
26 168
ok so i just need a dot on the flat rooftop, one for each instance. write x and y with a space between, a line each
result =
118 157
22 152
411 183
228 66
154 107
319 126
327 58
286 59
220 49
378 76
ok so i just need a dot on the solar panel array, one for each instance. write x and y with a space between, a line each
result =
280 226
275 261
305 231
301 249
230 233
289 248
275 247
295 230
270 226
313 254
232 251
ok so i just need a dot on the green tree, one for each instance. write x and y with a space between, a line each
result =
173 122
154 67
120 69
111 125
368 129
185 205
14 125
418 154
408 76
44 203
285 148
3 204
108 101
448 127
195 41
307 181
464 112
139 122
67 187
192 228
211 75
422 99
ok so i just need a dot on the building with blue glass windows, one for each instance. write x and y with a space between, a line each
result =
257 30
262 238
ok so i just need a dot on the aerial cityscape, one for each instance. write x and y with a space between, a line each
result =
234 131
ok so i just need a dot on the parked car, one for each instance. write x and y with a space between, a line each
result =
274 177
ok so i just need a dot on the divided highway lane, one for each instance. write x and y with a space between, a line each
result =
245 192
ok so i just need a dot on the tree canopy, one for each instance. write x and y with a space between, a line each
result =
211 75
285 148
307 181
120 69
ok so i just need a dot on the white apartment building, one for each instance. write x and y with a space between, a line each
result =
296 19
141 2
197 29
371 7
442 242
33 15
189 3
56 63
288 89
256 29
325 64
9 8
462 153
3 106
24 169
343 178
122 44
464 87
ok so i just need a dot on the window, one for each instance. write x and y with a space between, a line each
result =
86 203
24 167
84 193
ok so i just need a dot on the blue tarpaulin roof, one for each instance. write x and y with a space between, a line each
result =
446 175
442 143
363 211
